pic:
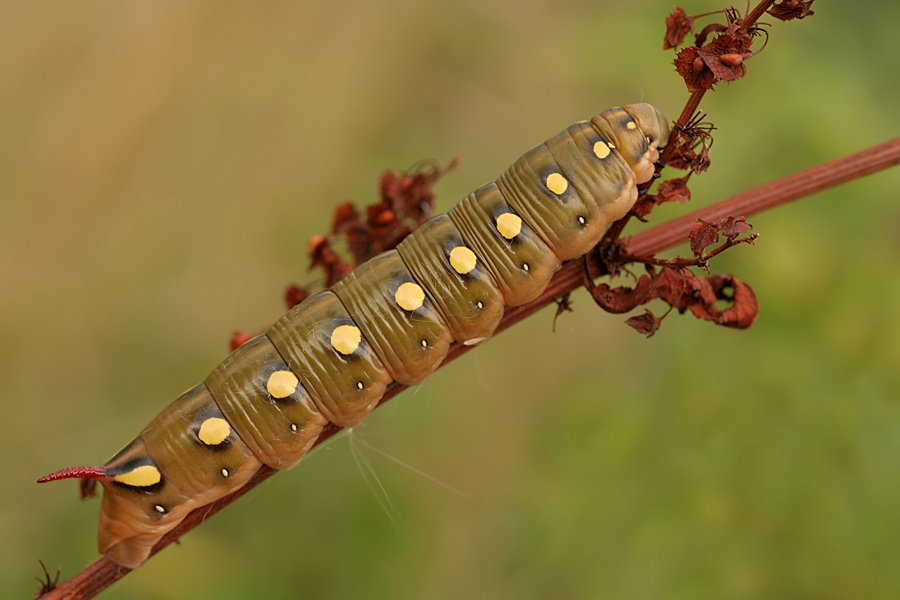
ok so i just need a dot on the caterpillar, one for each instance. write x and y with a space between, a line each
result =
331 357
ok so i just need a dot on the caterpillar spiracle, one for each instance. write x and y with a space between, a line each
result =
392 319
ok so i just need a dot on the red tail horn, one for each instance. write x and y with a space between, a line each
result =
75 472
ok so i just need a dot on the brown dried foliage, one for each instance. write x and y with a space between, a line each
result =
681 290
703 64
791 9
678 26
406 201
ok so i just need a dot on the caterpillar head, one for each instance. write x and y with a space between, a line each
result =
652 122
638 132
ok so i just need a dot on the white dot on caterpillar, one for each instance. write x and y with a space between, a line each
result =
160 508
462 260
525 266
509 225
409 296
282 384
582 220
294 427
479 304
424 344
602 150
142 476
557 184
346 339
213 431
359 385
224 472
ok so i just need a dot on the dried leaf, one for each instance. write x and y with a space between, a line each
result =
346 218
701 164
731 227
727 45
683 290
685 158
647 323
643 206
704 234
238 339
697 76
294 295
673 190
87 488
744 307
791 9
678 25
406 202
322 255
681 158
410 194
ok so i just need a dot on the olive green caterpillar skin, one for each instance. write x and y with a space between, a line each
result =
392 319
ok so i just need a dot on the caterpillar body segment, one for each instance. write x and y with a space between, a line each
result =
263 399
460 285
327 351
397 317
330 358
520 262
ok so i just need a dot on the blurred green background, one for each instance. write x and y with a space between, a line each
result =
163 164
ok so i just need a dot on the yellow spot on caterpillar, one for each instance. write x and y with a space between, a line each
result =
294 427
557 184
509 225
410 296
601 149
462 260
160 508
611 145
346 339
526 267
581 220
630 125
282 384
359 385
424 344
142 476
224 472
214 431
479 304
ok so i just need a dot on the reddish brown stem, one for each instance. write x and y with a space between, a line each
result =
103 573
697 261
770 195
755 14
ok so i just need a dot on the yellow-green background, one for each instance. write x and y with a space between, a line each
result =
162 165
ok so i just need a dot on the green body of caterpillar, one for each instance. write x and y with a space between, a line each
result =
392 319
